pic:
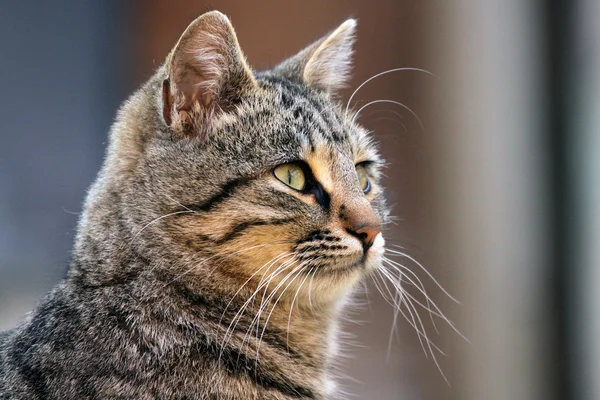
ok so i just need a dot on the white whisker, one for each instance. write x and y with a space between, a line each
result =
389 71
296 271
156 220
414 325
399 253
221 255
292 307
392 102
265 285
178 203
240 312
310 288
421 287
429 344
438 313
277 258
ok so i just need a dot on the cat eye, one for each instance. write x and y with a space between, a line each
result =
363 178
292 175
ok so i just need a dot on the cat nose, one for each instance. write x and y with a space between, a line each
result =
366 234
360 220
362 223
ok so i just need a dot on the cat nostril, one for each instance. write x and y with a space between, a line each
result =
366 235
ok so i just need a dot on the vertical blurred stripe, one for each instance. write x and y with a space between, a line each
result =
558 19
492 196
585 162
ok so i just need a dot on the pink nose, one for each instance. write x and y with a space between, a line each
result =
360 221
366 234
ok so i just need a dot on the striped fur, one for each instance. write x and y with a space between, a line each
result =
186 223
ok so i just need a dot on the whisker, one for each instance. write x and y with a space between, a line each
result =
179 204
394 329
230 330
399 253
243 250
397 300
266 298
367 295
310 288
269 263
392 297
396 306
410 305
389 71
439 312
376 283
265 285
296 272
292 307
415 319
156 220
221 255
429 341
429 344
400 117
414 325
69 212
395 265
392 102
260 286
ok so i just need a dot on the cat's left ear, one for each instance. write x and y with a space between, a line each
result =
325 64
207 74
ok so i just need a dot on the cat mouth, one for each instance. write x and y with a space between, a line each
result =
351 266
349 263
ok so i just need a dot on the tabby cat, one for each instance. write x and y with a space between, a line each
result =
233 216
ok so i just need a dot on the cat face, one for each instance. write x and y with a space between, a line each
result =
263 179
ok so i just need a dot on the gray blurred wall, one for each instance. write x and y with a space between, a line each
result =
61 79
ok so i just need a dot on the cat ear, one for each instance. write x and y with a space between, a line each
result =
207 72
325 64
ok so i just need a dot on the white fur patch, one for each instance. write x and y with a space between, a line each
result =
330 387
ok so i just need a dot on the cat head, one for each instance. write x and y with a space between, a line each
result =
228 178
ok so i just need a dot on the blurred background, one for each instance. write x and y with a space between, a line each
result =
497 194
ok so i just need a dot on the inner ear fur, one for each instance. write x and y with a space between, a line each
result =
207 74
326 64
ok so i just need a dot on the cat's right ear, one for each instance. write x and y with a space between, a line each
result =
324 65
207 74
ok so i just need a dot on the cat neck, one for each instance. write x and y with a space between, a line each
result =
182 325
274 331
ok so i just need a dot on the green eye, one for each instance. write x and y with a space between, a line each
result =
363 178
292 175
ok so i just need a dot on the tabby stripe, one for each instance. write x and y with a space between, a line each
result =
320 111
32 374
328 118
226 191
300 112
212 311
237 363
239 229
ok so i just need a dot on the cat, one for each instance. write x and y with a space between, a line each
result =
234 215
